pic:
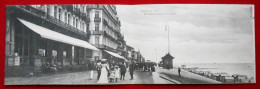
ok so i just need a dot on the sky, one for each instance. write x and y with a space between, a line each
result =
197 33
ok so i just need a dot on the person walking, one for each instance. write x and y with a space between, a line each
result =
91 69
104 72
131 69
179 71
122 71
98 69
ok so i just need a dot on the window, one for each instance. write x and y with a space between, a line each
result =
82 8
83 26
73 22
48 10
96 26
96 40
68 18
85 8
87 27
96 14
59 13
55 11
76 22
78 6
79 24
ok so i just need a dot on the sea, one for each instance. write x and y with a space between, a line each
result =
230 68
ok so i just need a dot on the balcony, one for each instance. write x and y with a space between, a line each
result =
97 32
32 10
38 12
97 19
100 46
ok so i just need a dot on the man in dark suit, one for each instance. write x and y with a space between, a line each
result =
131 69
179 71
122 71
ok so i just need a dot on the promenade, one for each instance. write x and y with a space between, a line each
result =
82 78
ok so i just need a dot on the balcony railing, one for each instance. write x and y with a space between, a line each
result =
97 32
97 19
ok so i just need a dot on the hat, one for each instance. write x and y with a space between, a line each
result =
92 60
103 59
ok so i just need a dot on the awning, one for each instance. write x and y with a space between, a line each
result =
52 35
116 55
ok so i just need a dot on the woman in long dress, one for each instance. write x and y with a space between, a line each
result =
117 74
104 72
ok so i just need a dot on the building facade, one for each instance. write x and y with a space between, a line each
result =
63 35
104 27
52 34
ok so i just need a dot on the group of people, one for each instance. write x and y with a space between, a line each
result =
110 73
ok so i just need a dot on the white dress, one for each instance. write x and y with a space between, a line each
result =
103 76
117 74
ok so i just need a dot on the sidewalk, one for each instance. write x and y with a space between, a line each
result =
75 78
186 77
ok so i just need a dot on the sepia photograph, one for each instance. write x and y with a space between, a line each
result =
110 44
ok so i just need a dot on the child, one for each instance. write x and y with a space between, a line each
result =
112 74
117 73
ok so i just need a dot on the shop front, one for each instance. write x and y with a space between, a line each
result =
34 48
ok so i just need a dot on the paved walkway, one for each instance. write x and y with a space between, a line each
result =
82 78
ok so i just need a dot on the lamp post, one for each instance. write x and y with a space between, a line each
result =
167 28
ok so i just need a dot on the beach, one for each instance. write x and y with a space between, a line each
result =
230 68
223 72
